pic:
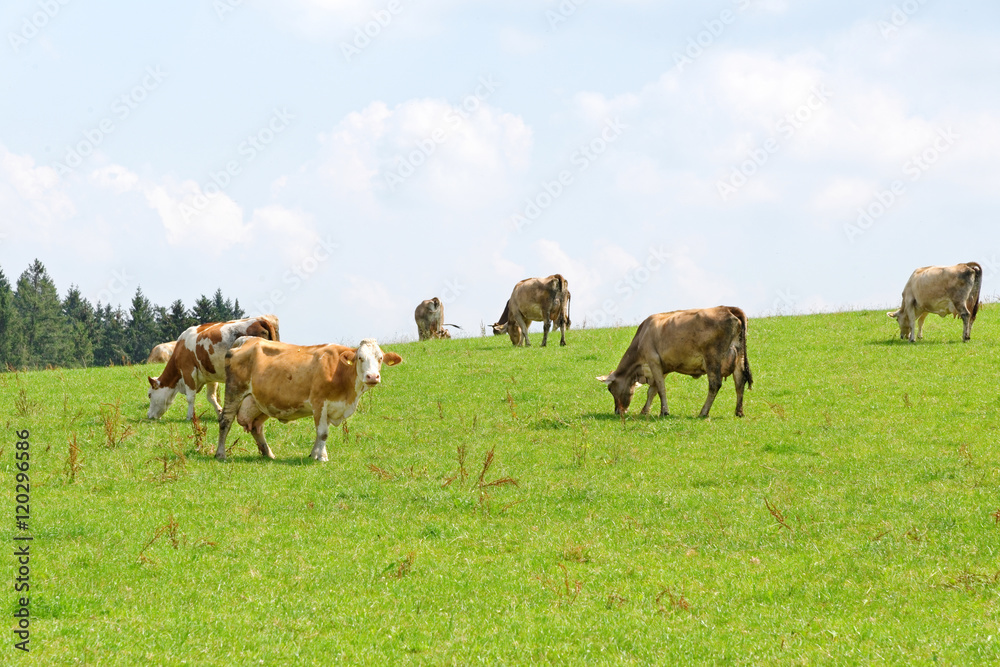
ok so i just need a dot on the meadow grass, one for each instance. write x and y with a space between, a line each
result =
485 506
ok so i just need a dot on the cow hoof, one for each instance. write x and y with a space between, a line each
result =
220 457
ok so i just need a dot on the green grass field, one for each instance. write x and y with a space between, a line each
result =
485 506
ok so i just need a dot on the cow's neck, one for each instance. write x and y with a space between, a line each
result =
171 374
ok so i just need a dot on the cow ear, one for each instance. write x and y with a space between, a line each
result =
153 383
391 359
894 316
606 379
347 358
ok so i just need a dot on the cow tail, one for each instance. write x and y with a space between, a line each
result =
743 346
977 284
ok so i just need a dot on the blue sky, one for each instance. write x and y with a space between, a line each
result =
337 162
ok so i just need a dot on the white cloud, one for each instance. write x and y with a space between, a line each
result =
35 196
210 223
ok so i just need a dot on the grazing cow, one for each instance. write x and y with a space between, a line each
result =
199 360
941 290
543 300
161 352
267 379
710 341
430 320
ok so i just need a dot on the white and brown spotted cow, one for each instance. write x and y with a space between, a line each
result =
543 300
199 360
942 290
710 341
266 379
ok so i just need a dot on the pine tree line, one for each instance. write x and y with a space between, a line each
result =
39 330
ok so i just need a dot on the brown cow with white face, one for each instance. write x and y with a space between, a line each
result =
266 379
543 300
942 290
199 360
710 341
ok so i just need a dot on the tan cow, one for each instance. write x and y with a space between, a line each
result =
199 360
543 300
430 320
267 379
942 290
161 352
710 341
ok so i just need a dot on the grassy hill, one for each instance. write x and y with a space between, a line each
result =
485 505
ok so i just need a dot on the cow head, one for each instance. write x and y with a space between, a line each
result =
622 387
905 325
160 398
368 359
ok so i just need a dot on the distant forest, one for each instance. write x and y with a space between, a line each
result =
39 330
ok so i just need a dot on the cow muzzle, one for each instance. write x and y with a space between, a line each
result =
372 379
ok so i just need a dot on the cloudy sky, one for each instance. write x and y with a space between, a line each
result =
337 161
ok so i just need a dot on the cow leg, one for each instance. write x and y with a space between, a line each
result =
211 392
714 384
911 314
257 431
322 430
226 420
190 394
657 385
523 324
562 337
920 326
233 399
740 379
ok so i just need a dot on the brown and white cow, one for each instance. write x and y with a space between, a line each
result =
942 290
543 300
266 379
199 360
430 320
710 341
161 353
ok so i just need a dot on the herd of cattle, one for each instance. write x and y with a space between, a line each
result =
266 378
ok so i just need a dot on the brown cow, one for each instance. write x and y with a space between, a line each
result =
161 352
710 341
430 320
941 290
266 379
199 360
543 300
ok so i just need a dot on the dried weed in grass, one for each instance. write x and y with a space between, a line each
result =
113 421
